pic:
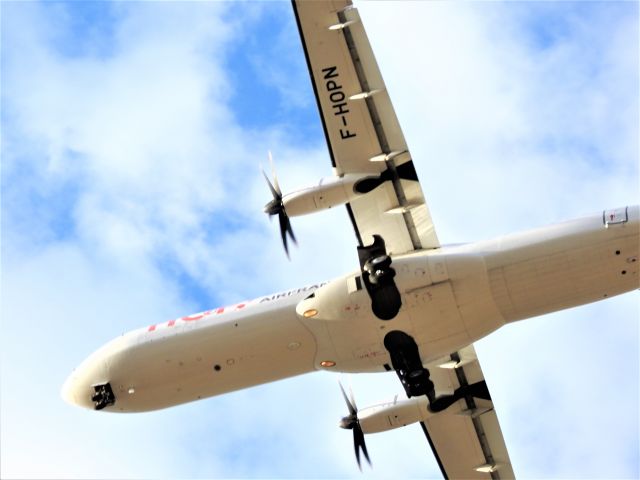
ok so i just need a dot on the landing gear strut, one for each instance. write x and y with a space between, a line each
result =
378 275
405 359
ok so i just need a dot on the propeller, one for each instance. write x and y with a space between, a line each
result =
276 207
351 422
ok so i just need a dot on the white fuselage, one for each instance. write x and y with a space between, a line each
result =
451 297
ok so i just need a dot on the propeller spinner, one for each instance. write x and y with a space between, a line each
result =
351 422
276 207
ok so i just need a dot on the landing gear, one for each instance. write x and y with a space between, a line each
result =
378 277
103 396
379 269
405 359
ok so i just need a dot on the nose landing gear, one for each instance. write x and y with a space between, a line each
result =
103 396
378 275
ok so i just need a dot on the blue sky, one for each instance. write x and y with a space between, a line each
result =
131 138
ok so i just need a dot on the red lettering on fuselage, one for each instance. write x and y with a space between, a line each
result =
199 316
236 307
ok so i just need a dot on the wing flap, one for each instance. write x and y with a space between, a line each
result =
466 438
374 215
384 118
455 440
360 125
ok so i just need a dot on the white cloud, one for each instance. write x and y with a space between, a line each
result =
507 135
139 147
484 111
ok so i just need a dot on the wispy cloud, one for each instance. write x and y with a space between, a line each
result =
131 194
519 115
485 100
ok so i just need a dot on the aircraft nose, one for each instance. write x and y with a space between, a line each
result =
89 385
80 388
68 392
77 392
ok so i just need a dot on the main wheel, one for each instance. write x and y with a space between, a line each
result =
378 268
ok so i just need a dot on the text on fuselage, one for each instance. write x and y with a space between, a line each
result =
338 100
199 316
233 308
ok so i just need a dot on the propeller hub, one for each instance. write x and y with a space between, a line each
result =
352 423
274 207
348 423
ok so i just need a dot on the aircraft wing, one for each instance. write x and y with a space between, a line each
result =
360 126
466 439
364 136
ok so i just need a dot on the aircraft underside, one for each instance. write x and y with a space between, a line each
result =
449 298
413 306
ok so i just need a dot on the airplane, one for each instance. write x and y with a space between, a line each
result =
412 306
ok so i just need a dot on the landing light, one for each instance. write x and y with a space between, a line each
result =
327 363
310 313
131 391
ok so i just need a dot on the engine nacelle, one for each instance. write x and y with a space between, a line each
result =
330 192
394 414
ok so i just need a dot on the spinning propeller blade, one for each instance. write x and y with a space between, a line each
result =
276 207
351 422
273 174
274 192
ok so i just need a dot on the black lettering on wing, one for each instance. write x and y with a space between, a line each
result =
337 97
330 72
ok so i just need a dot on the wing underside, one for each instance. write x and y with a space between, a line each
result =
466 438
360 126
363 136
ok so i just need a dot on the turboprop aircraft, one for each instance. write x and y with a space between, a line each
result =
412 305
